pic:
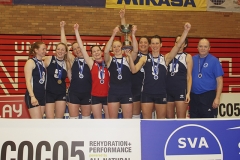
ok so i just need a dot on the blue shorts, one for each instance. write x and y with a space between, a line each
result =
137 98
79 98
41 101
99 100
200 105
176 95
52 98
154 98
126 99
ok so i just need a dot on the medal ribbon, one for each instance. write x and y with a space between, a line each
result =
101 69
119 69
59 71
81 66
155 67
40 69
200 68
175 63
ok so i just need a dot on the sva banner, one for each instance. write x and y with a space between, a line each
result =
190 140
70 139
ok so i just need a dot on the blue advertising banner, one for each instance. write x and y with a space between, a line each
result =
90 3
190 139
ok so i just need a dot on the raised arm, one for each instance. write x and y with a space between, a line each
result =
108 46
28 68
134 43
86 57
189 76
177 46
63 35
122 16
70 57
123 20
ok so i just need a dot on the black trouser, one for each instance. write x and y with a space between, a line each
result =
201 105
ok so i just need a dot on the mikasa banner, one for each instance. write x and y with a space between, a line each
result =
178 5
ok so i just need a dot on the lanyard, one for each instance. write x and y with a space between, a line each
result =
200 67
59 71
81 67
119 69
155 67
40 69
175 63
101 70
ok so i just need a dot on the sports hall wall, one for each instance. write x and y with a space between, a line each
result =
39 19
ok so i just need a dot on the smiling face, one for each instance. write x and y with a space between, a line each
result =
117 48
61 51
77 50
203 47
155 45
143 45
96 52
41 50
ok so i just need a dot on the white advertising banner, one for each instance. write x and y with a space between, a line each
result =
229 106
223 5
24 139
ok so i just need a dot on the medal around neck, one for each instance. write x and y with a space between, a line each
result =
119 77
126 29
200 75
41 81
59 81
155 68
81 75
172 73
81 67
101 81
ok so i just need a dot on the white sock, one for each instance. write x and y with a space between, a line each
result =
73 117
136 116
153 115
86 117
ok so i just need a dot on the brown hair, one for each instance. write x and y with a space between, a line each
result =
66 48
95 46
185 41
157 37
142 37
35 45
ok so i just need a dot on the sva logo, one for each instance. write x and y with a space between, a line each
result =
176 3
192 141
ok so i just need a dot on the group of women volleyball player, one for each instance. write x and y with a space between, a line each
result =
136 80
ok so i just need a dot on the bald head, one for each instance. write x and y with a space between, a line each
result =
205 41
203 47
